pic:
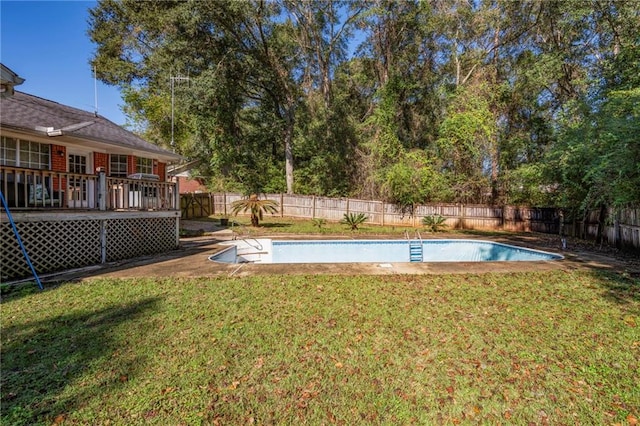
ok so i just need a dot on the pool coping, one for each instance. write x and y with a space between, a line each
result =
191 260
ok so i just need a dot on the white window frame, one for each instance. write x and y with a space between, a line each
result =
119 172
144 165
5 159
28 154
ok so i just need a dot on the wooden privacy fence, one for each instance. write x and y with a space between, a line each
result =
459 216
622 228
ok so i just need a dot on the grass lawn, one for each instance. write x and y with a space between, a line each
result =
531 348
285 225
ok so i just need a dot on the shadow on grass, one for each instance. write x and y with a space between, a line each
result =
17 291
43 362
274 225
620 288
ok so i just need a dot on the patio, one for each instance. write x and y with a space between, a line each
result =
191 260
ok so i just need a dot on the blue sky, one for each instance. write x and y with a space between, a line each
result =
46 43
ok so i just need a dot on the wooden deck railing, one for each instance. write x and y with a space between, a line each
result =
30 189
127 194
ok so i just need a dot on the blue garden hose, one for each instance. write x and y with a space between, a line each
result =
24 251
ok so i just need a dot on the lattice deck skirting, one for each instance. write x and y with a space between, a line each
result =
61 241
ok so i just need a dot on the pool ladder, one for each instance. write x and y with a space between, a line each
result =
415 247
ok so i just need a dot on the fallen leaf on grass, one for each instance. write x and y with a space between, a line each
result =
473 411
259 363
633 420
630 320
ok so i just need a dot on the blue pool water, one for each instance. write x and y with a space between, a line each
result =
377 251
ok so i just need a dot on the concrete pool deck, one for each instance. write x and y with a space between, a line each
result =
191 260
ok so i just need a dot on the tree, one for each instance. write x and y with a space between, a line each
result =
243 57
465 143
256 206
449 100
595 162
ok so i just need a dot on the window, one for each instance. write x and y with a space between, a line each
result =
118 165
77 164
24 153
9 152
34 155
144 165
77 186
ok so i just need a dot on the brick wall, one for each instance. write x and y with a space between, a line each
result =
131 164
191 185
100 159
58 161
161 171
58 164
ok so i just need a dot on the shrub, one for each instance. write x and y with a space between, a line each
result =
318 222
353 220
434 223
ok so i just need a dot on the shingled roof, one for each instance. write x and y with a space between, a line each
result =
28 113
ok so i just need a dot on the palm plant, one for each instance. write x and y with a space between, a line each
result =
256 206
353 220
435 223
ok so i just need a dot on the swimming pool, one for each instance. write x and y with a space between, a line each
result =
376 251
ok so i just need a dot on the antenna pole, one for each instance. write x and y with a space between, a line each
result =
173 80
95 90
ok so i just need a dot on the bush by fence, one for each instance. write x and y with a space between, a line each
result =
622 228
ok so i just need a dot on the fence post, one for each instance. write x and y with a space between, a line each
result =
176 195
313 209
103 241
617 232
224 202
281 204
413 213
102 190
382 212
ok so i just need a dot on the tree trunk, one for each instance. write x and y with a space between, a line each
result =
288 148
601 220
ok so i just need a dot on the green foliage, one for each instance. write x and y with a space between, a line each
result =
467 134
596 161
527 185
524 102
256 206
319 222
414 179
354 220
435 223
